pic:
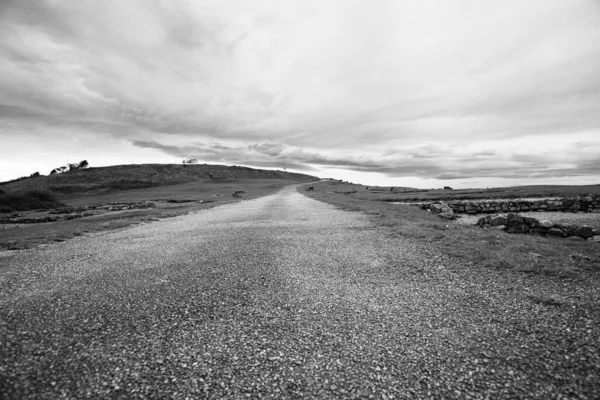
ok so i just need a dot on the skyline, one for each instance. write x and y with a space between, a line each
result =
398 93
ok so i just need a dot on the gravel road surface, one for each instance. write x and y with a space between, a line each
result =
285 297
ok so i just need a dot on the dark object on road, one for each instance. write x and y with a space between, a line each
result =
310 189
239 192
447 188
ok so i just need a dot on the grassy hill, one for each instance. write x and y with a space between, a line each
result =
105 180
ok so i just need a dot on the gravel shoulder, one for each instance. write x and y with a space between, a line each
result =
284 296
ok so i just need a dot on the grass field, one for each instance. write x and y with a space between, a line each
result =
174 189
406 194
485 248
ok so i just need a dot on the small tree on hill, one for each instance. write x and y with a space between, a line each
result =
70 167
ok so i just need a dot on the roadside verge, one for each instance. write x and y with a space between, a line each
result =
468 243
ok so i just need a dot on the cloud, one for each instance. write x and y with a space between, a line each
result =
269 149
438 162
434 89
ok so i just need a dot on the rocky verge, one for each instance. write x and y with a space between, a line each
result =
69 213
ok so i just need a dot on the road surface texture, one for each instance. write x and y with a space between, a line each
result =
280 297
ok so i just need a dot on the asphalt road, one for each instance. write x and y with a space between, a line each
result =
282 297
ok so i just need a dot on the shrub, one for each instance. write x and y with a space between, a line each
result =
29 200
70 167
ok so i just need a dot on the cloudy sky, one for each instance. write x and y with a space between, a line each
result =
418 93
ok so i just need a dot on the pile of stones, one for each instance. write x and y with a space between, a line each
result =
443 211
17 219
119 206
69 213
514 223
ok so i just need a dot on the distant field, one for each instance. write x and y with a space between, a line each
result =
407 195
485 248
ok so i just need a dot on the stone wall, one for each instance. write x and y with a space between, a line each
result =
69 213
586 203
514 223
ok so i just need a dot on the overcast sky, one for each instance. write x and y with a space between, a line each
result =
418 93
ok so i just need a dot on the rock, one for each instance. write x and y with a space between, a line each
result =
518 228
540 229
499 227
439 208
570 229
556 232
545 224
514 219
532 222
484 220
496 220
584 232
595 238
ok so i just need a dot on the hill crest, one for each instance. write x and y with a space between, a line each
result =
102 180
